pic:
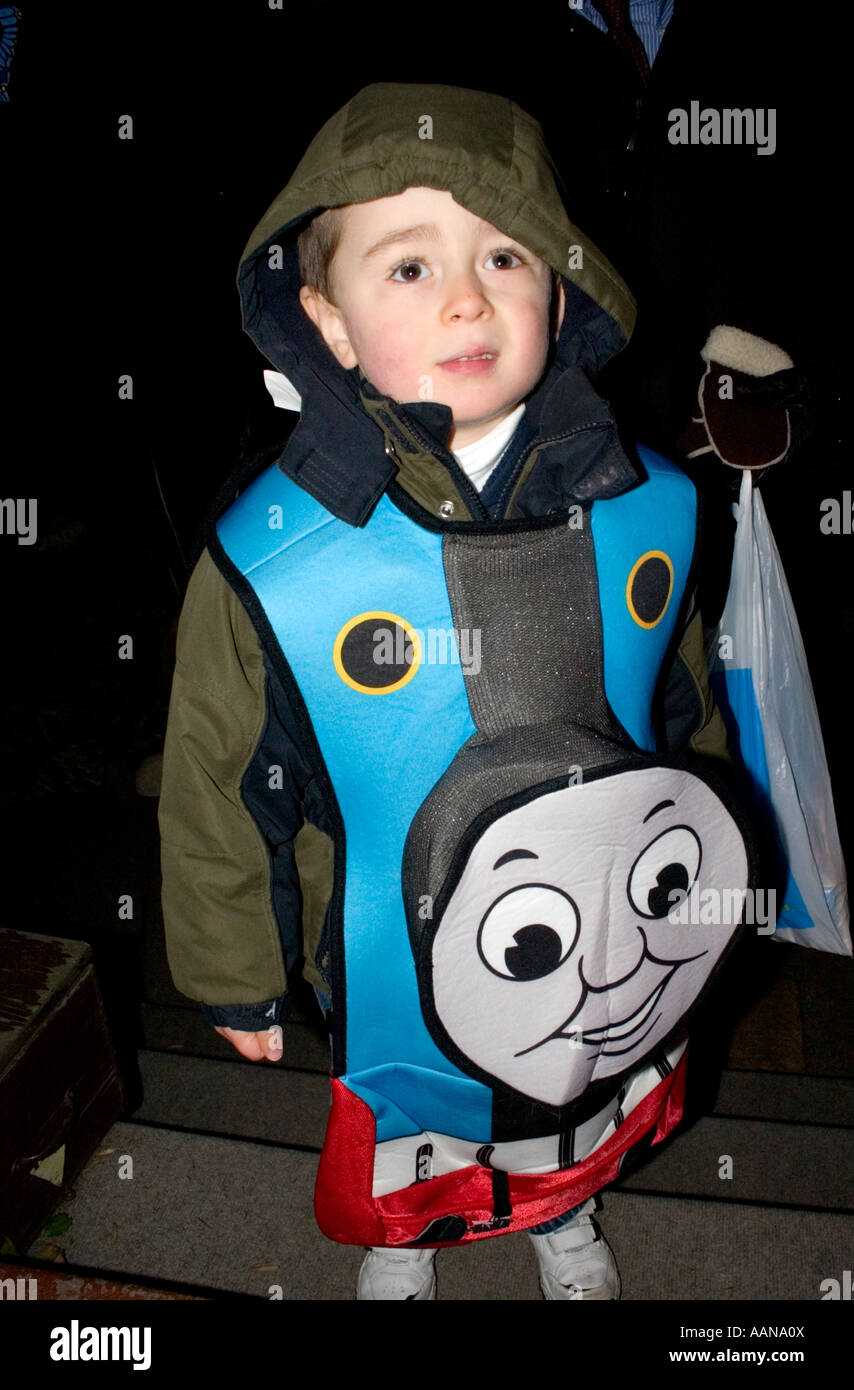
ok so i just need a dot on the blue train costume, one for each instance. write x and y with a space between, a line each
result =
470 709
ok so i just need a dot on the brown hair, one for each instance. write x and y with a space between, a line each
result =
316 247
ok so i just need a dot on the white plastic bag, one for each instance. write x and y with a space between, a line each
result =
761 681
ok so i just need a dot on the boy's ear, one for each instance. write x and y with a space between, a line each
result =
330 324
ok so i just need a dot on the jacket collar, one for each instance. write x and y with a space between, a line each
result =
349 435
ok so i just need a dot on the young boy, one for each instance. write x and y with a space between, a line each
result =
432 667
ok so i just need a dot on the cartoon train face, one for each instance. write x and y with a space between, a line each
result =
566 952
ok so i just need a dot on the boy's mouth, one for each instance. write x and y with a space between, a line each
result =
473 359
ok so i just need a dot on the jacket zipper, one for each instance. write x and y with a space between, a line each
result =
465 487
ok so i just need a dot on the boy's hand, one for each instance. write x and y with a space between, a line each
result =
256 1046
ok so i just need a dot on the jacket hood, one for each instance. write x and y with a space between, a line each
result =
491 156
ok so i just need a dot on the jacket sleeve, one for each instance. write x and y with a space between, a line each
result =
233 784
691 717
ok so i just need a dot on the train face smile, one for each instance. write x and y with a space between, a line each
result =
634 1027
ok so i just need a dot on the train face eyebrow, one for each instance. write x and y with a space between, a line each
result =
660 807
514 854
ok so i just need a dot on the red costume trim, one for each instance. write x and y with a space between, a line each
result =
347 1212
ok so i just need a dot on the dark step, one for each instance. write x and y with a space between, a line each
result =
247 1100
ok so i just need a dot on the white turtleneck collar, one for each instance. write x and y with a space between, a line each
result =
479 459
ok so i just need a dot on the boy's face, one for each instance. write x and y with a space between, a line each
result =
418 281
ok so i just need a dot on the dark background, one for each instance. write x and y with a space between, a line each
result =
120 256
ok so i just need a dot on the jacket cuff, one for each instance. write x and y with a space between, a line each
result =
248 1018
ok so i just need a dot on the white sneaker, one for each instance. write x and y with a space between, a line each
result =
397 1273
577 1262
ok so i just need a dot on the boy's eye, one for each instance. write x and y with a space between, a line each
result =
407 266
402 275
504 256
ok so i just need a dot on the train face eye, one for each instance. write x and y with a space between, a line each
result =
669 865
528 932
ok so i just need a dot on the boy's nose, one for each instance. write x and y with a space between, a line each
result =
465 296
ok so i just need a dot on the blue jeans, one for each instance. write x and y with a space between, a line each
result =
547 1228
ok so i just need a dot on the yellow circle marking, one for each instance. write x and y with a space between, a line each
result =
648 555
373 689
